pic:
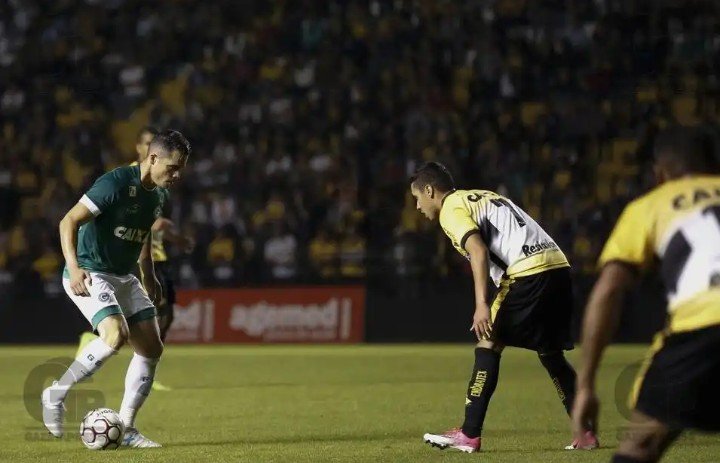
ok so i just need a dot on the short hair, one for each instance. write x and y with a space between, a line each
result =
686 150
434 174
147 129
169 141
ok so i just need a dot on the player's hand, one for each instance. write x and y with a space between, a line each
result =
482 325
153 288
80 281
585 412
187 244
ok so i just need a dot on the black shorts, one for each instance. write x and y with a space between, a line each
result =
534 312
680 383
164 275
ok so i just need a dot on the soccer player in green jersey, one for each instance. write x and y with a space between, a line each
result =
163 229
102 238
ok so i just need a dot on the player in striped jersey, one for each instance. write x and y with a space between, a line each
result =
676 225
162 229
533 305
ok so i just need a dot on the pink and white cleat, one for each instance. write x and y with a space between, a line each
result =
588 442
455 439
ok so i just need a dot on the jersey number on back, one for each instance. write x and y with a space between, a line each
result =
699 239
500 202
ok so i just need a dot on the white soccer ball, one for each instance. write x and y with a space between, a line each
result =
102 429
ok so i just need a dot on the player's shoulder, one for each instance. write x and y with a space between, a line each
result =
124 175
679 194
462 197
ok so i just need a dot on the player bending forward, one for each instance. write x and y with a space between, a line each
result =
678 225
102 238
533 304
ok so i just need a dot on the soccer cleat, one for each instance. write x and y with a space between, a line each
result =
158 386
53 411
588 442
134 439
455 439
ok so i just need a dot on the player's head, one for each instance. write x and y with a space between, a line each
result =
144 137
167 155
681 151
429 185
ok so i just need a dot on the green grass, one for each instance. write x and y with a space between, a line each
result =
316 403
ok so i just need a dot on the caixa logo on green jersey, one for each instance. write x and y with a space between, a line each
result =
131 234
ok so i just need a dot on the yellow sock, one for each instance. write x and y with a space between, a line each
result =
85 339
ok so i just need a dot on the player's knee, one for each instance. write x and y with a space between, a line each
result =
114 331
643 442
493 345
153 349
550 359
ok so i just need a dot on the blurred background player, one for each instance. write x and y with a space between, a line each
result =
102 238
162 229
532 308
678 223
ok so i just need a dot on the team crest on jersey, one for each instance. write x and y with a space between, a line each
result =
104 297
133 191
158 211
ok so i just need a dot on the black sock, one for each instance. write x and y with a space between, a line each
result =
480 389
562 375
623 459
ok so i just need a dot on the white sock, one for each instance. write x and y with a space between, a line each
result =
88 361
138 382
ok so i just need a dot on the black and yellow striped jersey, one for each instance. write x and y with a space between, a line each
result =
517 245
677 223
157 248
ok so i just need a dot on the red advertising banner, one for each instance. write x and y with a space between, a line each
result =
327 314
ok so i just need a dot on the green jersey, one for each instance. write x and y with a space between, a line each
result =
124 212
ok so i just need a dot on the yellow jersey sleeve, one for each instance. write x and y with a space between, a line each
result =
457 222
631 241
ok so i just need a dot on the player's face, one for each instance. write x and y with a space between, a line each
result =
166 170
142 146
424 202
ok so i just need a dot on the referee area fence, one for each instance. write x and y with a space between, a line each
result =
312 314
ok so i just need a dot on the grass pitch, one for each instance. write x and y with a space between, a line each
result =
366 403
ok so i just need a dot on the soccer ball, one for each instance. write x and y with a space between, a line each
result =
102 429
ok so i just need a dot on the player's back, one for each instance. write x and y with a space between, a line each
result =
677 223
517 244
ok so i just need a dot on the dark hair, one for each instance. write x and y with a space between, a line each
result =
147 129
169 141
686 150
434 174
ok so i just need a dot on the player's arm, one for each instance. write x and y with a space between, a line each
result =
172 234
478 252
627 251
69 225
147 273
601 319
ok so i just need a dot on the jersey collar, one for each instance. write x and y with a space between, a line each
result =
442 202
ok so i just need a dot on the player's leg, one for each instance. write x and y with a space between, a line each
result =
166 314
645 440
481 387
145 341
677 388
483 381
85 338
102 310
562 375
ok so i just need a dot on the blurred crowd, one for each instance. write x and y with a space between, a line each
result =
306 119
